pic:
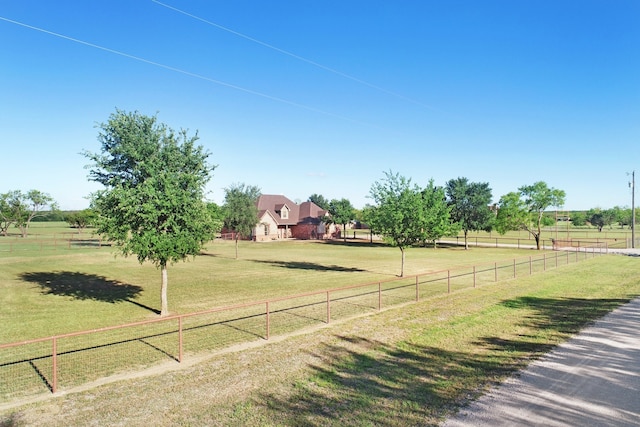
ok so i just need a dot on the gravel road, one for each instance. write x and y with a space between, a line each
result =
591 380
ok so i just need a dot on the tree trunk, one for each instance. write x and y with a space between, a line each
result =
236 245
344 227
466 243
402 264
163 293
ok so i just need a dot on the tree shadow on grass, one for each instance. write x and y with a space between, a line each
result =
563 315
358 381
83 286
301 265
365 382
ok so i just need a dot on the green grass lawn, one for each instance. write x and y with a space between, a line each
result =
403 366
52 292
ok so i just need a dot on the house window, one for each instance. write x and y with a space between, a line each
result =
285 213
266 229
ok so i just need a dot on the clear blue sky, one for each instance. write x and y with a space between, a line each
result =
302 97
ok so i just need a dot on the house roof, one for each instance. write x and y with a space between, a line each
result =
307 212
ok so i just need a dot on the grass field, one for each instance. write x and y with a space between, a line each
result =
405 366
402 366
50 292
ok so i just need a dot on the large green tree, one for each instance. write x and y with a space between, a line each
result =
152 204
241 210
436 214
342 212
397 214
469 202
523 210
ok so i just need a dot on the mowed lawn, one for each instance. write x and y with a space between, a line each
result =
55 291
411 365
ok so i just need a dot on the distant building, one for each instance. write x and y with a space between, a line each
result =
280 218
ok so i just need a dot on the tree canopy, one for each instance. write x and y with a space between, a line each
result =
436 214
81 219
405 214
19 208
470 205
240 210
319 200
153 204
342 212
523 210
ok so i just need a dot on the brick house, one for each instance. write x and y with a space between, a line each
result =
281 218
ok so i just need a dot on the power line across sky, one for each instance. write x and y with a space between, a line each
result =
302 98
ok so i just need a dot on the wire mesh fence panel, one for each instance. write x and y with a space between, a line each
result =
219 329
289 315
503 270
398 291
460 278
353 302
485 274
85 358
26 370
433 284
539 264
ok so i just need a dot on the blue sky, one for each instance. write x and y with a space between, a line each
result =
302 97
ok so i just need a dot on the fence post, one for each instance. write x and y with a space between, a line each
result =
379 296
496 271
417 295
530 266
180 339
474 276
328 308
514 267
54 360
448 281
544 262
268 324
556 259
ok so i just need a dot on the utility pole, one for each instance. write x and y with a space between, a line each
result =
633 209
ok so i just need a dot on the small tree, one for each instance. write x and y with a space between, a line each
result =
153 201
398 212
20 208
241 210
342 212
469 203
436 214
601 217
9 210
319 200
524 210
578 219
81 219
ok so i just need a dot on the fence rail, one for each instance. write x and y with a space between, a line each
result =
75 241
53 363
